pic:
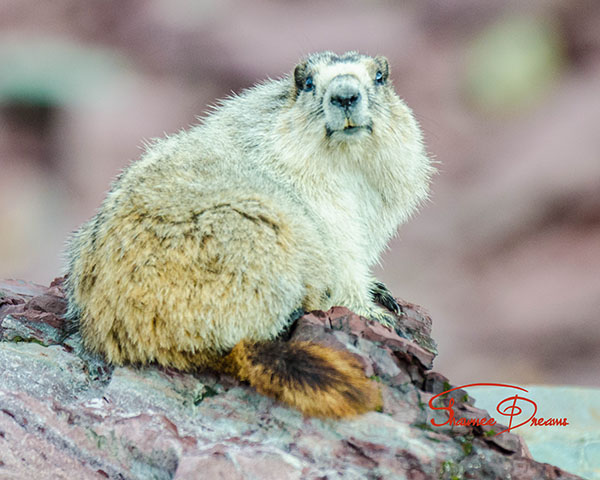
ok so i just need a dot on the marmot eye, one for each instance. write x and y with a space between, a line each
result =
309 84
379 80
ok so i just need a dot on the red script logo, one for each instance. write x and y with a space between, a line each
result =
510 407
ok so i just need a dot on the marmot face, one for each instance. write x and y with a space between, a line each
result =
342 92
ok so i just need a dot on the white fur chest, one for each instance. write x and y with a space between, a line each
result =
353 215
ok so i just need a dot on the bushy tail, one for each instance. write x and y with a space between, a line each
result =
317 380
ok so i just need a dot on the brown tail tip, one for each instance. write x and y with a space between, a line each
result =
317 380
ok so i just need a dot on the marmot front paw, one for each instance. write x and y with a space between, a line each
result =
383 296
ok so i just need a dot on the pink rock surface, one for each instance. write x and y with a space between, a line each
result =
66 414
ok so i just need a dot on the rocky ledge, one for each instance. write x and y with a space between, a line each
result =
65 414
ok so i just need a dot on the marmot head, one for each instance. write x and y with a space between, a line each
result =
345 94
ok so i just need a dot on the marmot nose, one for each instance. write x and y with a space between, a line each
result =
346 99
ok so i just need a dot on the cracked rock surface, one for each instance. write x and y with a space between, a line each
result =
65 414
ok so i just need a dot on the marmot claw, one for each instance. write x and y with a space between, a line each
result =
382 295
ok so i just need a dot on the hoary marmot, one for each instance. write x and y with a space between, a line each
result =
281 200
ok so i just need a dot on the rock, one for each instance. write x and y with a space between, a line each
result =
66 414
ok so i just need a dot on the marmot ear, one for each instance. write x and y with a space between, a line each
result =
383 65
299 75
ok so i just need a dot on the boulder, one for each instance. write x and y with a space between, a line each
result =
65 413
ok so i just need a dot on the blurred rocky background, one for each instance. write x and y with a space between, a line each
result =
506 256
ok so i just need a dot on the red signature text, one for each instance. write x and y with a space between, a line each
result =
511 407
